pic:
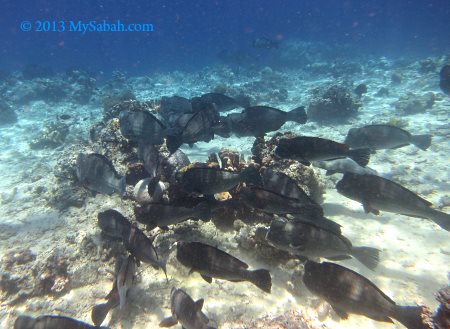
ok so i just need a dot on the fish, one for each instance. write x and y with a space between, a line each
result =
222 102
265 43
50 322
115 225
142 126
378 193
444 81
185 311
379 137
345 165
125 271
161 215
259 120
349 292
305 149
283 184
191 128
310 240
149 155
149 190
209 181
172 107
274 203
97 173
212 262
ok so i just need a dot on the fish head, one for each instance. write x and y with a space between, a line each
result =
353 137
112 223
24 322
283 148
261 234
311 272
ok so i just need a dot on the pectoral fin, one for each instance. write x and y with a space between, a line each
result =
340 312
206 278
168 322
199 304
330 172
368 209
339 257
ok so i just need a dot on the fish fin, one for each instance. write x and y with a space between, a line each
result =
251 175
360 156
168 322
152 184
199 304
409 316
399 146
381 318
338 257
330 172
99 313
340 312
206 278
262 279
296 247
370 257
440 218
368 209
421 141
297 115
305 163
173 142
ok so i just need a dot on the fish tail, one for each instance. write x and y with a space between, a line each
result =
261 279
99 313
360 156
410 316
173 142
440 218
297 115
370 257
123 186
421 141
251 175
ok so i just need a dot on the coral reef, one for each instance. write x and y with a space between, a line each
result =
53 135
412 103
334 104
7 114
442 316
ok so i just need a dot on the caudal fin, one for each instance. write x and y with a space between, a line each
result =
297 115
440 218
360 156
99 313
410 316
261 279
421 141
368 256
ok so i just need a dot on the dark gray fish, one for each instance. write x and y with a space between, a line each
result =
172 107
378 137
222 102
306 149
349 292
50 322
310 240
378 193
211 262
283 184
343 166
149 155
259 120
97 173
115 225
207 181
274 203
191 128
177 160
265 43
156 214
186 312
125 271
141 126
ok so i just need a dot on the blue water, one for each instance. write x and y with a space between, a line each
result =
189 35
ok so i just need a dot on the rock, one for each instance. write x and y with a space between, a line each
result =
53 135
335 104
